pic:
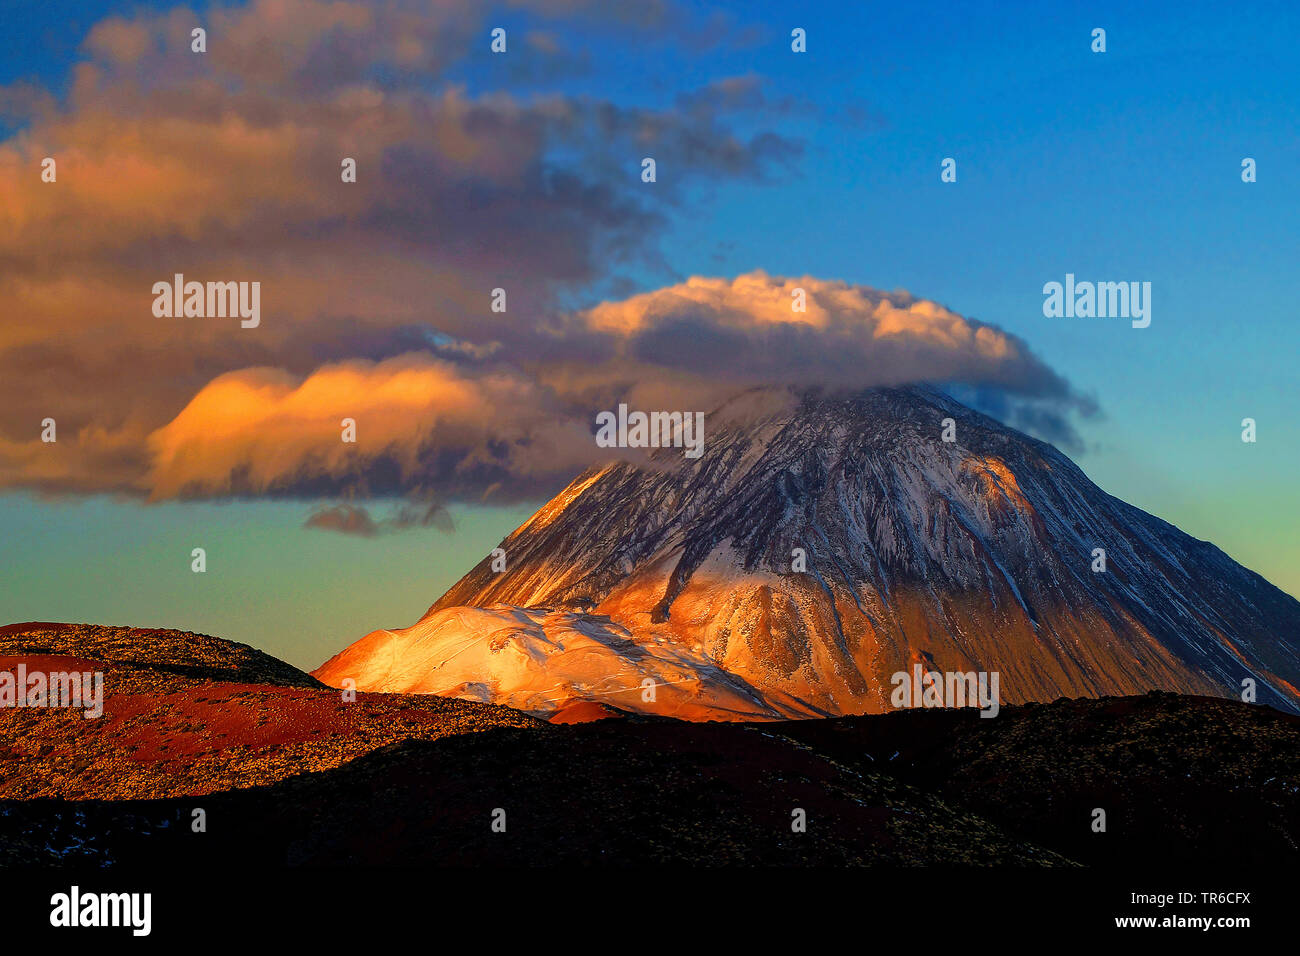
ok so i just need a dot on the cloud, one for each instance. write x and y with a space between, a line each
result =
226 167
422 427
471 427
747 330
376 294
345 519
356 519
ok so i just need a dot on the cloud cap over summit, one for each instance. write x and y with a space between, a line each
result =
375 295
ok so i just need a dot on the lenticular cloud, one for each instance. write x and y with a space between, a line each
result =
519 423
760 329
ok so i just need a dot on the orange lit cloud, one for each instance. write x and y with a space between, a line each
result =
226 167
376 294
806 331
420 427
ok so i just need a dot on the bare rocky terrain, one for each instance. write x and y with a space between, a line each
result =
288 774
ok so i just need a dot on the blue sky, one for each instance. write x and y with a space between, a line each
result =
1118 166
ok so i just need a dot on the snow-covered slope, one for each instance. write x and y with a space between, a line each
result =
538 660
975 554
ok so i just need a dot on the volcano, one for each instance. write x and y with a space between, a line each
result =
820 546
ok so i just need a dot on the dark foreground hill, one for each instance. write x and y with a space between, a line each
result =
190 714
290 775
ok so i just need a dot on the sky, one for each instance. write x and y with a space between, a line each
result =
523 171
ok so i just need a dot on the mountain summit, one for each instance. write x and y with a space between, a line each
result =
822 545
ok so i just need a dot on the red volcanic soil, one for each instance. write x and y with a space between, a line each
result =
584 712
215 720
49 663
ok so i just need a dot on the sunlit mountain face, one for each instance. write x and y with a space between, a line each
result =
822 546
